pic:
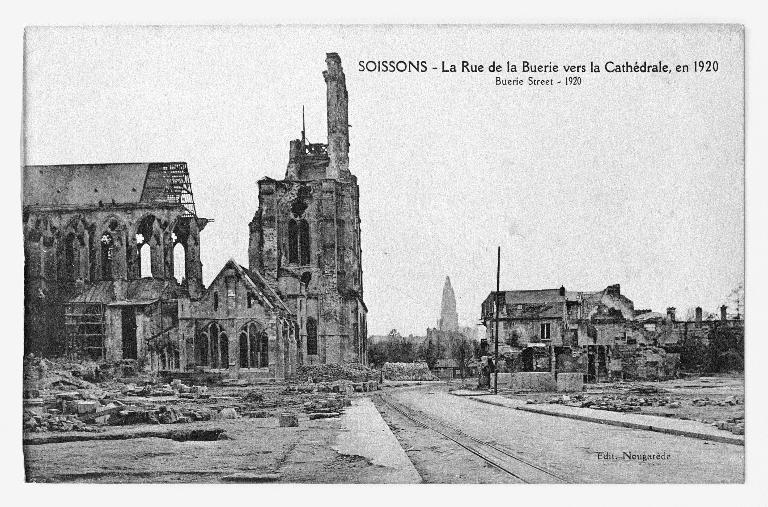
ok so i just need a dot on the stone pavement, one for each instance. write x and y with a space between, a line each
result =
681 427
364 433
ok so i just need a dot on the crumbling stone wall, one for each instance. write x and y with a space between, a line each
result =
64 254
233 305
645 363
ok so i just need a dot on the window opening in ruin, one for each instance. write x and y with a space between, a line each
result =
128 322
179 262
545 331
215 301
293 242
253 347
263 348
298 242
254 344
311 336
218 345
250 298
107 252
244 350
145 259
303 242
70 258
202 349
224 350
213 347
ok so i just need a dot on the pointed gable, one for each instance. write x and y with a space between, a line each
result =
255 284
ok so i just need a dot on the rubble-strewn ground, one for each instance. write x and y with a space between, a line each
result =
114 425
718 401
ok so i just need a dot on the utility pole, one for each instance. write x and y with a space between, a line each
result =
496 333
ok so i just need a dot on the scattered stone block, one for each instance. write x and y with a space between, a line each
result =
69 396
288 420
228 413
323 415
87 407
570 382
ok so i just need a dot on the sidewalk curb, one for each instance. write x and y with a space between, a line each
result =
624 424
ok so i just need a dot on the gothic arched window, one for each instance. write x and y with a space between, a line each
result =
254 347
303 242
298 242
71 257
107 252
293 242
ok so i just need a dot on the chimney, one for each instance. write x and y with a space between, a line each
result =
698 315
671 313
723 314
562 291
338 118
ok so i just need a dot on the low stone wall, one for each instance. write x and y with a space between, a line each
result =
570 382
539 381
504 380
644 363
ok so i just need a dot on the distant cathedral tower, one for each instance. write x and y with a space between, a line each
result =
449 319
305 238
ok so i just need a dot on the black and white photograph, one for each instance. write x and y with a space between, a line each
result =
384 254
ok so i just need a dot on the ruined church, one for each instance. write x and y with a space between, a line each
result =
305 238
113 270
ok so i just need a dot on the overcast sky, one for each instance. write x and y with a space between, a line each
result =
630 179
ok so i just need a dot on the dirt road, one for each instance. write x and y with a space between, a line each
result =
454 439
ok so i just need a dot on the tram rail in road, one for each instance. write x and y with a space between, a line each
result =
506 460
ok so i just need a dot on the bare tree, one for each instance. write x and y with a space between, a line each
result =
462 352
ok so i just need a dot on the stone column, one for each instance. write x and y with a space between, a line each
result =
338 120
275 349
157 256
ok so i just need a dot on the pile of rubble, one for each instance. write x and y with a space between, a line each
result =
613 403
704 402
408 371
326 407
335 372
340 386
734 424
65 396
88 409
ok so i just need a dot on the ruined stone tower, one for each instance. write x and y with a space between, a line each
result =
449 319
305 238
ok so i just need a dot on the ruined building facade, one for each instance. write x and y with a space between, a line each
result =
599 333
305 238
109 250
113 271
561 331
